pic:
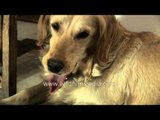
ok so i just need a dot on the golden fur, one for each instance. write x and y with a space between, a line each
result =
127 62
111 66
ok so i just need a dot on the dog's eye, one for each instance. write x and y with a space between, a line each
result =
56 26
82 35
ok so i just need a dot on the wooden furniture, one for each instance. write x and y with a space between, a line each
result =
10 48
9 54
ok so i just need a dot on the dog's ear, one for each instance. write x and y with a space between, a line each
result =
107 26
43 29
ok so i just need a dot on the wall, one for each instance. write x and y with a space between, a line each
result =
139 23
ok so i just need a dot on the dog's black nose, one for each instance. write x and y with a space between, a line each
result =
55 65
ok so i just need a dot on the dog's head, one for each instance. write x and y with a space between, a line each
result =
74 39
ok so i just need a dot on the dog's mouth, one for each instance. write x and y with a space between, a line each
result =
57 81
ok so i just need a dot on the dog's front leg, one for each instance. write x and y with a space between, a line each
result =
29 96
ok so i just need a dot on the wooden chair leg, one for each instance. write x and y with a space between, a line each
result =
9 55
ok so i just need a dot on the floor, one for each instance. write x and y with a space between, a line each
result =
29 70
29 66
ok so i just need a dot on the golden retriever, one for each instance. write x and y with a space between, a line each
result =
95 60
